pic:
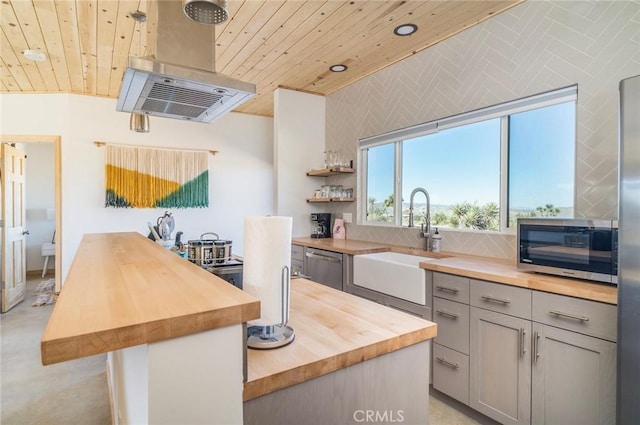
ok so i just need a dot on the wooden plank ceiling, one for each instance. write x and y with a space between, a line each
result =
274 43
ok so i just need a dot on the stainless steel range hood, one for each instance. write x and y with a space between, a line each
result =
180 82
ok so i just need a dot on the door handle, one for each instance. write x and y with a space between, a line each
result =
536 346
25 232
523 351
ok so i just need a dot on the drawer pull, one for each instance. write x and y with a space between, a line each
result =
495 300
569 316
447 314
448 363
445 289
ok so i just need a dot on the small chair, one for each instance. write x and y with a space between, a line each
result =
47 249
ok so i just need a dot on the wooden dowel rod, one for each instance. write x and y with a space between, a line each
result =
101 144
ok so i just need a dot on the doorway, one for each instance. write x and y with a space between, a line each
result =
56 237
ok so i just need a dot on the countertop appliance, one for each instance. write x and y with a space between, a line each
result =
579 247
321 225
628 390
325 267
231 271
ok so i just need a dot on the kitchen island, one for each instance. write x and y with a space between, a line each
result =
174 337
173 332
351 358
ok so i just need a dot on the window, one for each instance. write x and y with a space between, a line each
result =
482 169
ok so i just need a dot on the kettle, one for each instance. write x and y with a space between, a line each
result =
166 224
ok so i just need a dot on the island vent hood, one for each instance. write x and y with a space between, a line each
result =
180 82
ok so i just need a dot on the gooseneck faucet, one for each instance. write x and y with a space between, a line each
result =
425 233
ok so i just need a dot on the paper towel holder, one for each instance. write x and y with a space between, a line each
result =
279 335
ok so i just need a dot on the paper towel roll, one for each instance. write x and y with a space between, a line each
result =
267 249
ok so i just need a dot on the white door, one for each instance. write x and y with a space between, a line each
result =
12 162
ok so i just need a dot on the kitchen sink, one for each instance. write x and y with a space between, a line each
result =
392 273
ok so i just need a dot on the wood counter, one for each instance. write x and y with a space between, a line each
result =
124 290
344 246
484 268
505 271
334 330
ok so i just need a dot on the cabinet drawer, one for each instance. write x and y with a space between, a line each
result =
451 287
501 298
297 252
451 373
584 316
453 324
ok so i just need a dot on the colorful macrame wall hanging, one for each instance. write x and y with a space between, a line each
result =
156 178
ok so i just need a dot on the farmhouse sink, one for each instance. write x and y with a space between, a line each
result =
392 273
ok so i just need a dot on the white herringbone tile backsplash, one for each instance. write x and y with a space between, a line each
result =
531 48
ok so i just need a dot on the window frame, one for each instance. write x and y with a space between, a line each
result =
502 111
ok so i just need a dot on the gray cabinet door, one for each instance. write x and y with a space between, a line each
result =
574 378
500 366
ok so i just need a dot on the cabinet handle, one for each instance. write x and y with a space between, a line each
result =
448 363
569 316
495 300
523 351
447 314
445 289
536 345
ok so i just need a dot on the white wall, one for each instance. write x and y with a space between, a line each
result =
299 140
39 200
241 175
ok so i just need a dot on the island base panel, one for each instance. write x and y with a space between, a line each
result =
195 379
390 388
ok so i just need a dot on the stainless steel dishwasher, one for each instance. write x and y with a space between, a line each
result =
324 267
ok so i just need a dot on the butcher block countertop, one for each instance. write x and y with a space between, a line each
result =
476 267
344 246
333 330
124 290
505 271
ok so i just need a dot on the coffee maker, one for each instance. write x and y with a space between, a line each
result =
321 225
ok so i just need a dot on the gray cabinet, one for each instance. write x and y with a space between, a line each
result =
574 361
500 366
450 366
574 378
451 372
531 357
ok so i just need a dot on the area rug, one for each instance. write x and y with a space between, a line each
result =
45 291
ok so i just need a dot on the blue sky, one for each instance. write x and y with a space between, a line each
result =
463 164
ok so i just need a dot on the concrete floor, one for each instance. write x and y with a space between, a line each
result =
75 392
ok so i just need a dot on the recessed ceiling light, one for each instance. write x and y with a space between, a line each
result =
338 68
35 55
405 29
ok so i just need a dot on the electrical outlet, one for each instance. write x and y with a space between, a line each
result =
346 217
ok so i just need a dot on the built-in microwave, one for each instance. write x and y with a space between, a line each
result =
579 248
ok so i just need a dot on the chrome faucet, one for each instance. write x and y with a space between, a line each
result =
424 232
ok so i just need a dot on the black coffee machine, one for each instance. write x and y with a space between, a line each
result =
321 225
